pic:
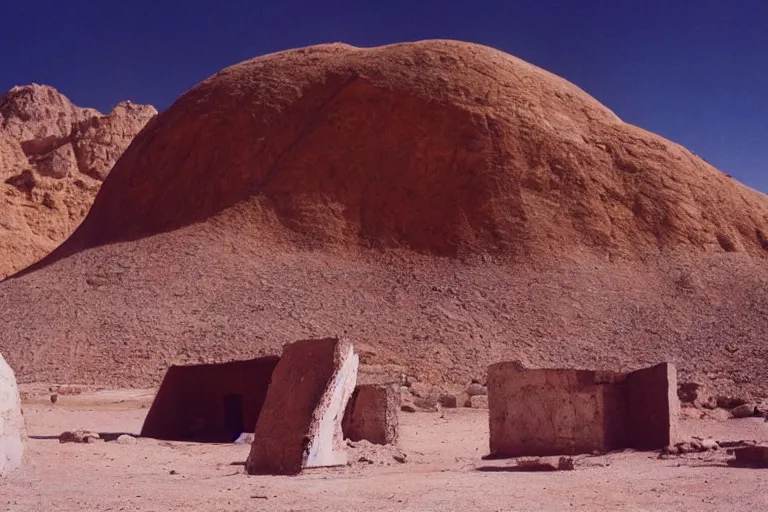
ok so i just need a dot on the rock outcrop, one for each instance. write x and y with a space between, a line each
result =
53 158
447 205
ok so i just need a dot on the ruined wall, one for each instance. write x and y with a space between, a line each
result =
210 402
653 407
561 411
372 414
550 412
12 431
300 425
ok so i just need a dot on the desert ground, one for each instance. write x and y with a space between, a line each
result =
443 469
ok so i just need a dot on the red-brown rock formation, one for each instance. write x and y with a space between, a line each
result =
53 157
443 204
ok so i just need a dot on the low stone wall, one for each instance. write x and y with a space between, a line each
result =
564 412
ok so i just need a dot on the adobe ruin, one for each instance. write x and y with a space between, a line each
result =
12 430
210 402
566 412
300 423
372 414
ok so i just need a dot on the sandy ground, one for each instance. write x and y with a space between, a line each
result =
443 470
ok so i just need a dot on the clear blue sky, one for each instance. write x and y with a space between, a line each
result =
694 71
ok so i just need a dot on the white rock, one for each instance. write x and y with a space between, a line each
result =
12 431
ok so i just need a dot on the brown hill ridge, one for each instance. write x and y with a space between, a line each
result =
443 204
53 158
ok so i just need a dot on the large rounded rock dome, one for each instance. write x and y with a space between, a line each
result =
442 204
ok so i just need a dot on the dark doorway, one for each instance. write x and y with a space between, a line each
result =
233 415
210 403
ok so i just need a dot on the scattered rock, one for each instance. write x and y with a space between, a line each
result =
729 402
427 404
421 390
691 446
688 392
365 459
48 201
448 401
479 402
25 181
408 407
400 457
126 439
744 411
476 389
546 464
54 398
734 444
244 438
79 436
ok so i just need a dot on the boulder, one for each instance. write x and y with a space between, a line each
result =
476 389
125 439
744 411
300 424
729 402
12 430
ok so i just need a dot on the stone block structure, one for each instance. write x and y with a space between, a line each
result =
210 402
563 412
372 414
12 430
300 423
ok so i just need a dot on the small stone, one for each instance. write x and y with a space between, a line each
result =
48 201
688 392
400 457
126 439
408 408
729 402
479 402
79 436
709 444
245 438
54 398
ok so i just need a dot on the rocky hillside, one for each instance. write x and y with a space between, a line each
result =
443 204
53 158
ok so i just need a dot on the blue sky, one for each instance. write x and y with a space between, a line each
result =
694 71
